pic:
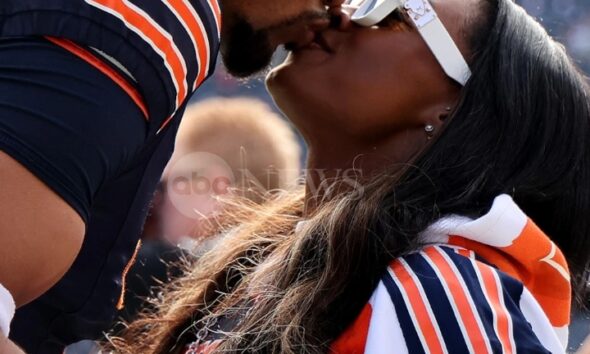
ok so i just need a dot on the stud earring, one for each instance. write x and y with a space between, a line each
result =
429 129
448 109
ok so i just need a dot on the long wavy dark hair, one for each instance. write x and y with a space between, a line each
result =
521 127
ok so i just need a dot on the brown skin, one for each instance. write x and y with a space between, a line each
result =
7 347
41 236
585 348
364 99
39 221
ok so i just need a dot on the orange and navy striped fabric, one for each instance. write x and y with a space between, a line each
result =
92 59
137 18
169 47
496 284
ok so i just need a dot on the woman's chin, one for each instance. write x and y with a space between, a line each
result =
278 79
280 87
296 67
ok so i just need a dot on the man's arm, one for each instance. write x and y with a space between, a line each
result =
7 347
40 234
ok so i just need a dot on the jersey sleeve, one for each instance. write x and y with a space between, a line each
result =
65 121
444 300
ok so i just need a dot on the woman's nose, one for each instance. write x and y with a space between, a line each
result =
340 17
334 3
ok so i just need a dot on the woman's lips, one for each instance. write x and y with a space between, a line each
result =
318 43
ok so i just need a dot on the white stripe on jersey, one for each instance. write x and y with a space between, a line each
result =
450 297
207 65
503 308
545 332
165 34
426 303
150 42
203 67
413 316
115 62
215 16
385 332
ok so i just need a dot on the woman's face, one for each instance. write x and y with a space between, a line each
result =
366 83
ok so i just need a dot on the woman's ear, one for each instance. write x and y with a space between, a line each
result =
444 113
436 115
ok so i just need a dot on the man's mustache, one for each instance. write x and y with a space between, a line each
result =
247 50
301 18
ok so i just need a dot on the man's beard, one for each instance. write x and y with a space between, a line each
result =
245 51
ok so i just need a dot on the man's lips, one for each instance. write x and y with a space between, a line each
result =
317 43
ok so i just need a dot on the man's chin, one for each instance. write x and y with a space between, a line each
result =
246 51
245 64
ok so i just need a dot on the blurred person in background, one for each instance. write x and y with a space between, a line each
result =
466 228
224 147
225 143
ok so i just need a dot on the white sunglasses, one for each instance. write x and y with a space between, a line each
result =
432 30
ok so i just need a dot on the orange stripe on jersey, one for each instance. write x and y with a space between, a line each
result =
216 11
121 302
460 298
354 339
153 35
165 124
531 254
464 252
425 323
502 321
103 68
196 32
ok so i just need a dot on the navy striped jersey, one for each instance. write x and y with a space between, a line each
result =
495 284
99 135
167 46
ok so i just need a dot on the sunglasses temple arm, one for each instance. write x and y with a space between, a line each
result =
445 50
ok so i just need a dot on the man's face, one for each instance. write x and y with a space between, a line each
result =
253 29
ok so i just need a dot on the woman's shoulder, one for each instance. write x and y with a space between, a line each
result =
444 299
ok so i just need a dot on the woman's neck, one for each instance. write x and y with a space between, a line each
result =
344 166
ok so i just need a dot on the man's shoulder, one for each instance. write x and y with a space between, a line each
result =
169 47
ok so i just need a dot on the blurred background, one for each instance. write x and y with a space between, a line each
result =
568 21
